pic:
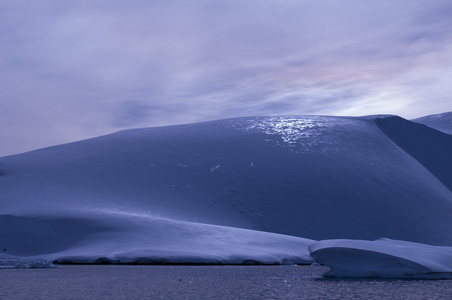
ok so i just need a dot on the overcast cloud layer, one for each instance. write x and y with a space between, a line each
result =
76 69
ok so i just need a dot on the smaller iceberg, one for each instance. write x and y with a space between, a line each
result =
12 262
383 258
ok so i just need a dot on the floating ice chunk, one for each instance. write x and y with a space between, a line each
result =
215 168
383 258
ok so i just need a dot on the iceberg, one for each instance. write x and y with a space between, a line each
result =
255 190
383 258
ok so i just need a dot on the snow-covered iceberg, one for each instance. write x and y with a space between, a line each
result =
258 189
383 258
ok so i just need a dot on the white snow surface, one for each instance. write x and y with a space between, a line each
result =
189 194
383 258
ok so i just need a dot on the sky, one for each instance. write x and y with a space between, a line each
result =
71 70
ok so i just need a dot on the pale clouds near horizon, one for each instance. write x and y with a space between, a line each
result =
75 69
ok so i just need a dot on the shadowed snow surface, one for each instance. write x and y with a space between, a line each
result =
257 189
430 147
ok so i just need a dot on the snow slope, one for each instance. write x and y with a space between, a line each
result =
383 258
441 122
229 191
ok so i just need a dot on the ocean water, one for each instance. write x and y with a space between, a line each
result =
205 282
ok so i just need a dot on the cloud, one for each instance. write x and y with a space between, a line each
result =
75 69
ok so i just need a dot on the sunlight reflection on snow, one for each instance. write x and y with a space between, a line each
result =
290 129
303 132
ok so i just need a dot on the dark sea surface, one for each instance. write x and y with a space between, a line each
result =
205 282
